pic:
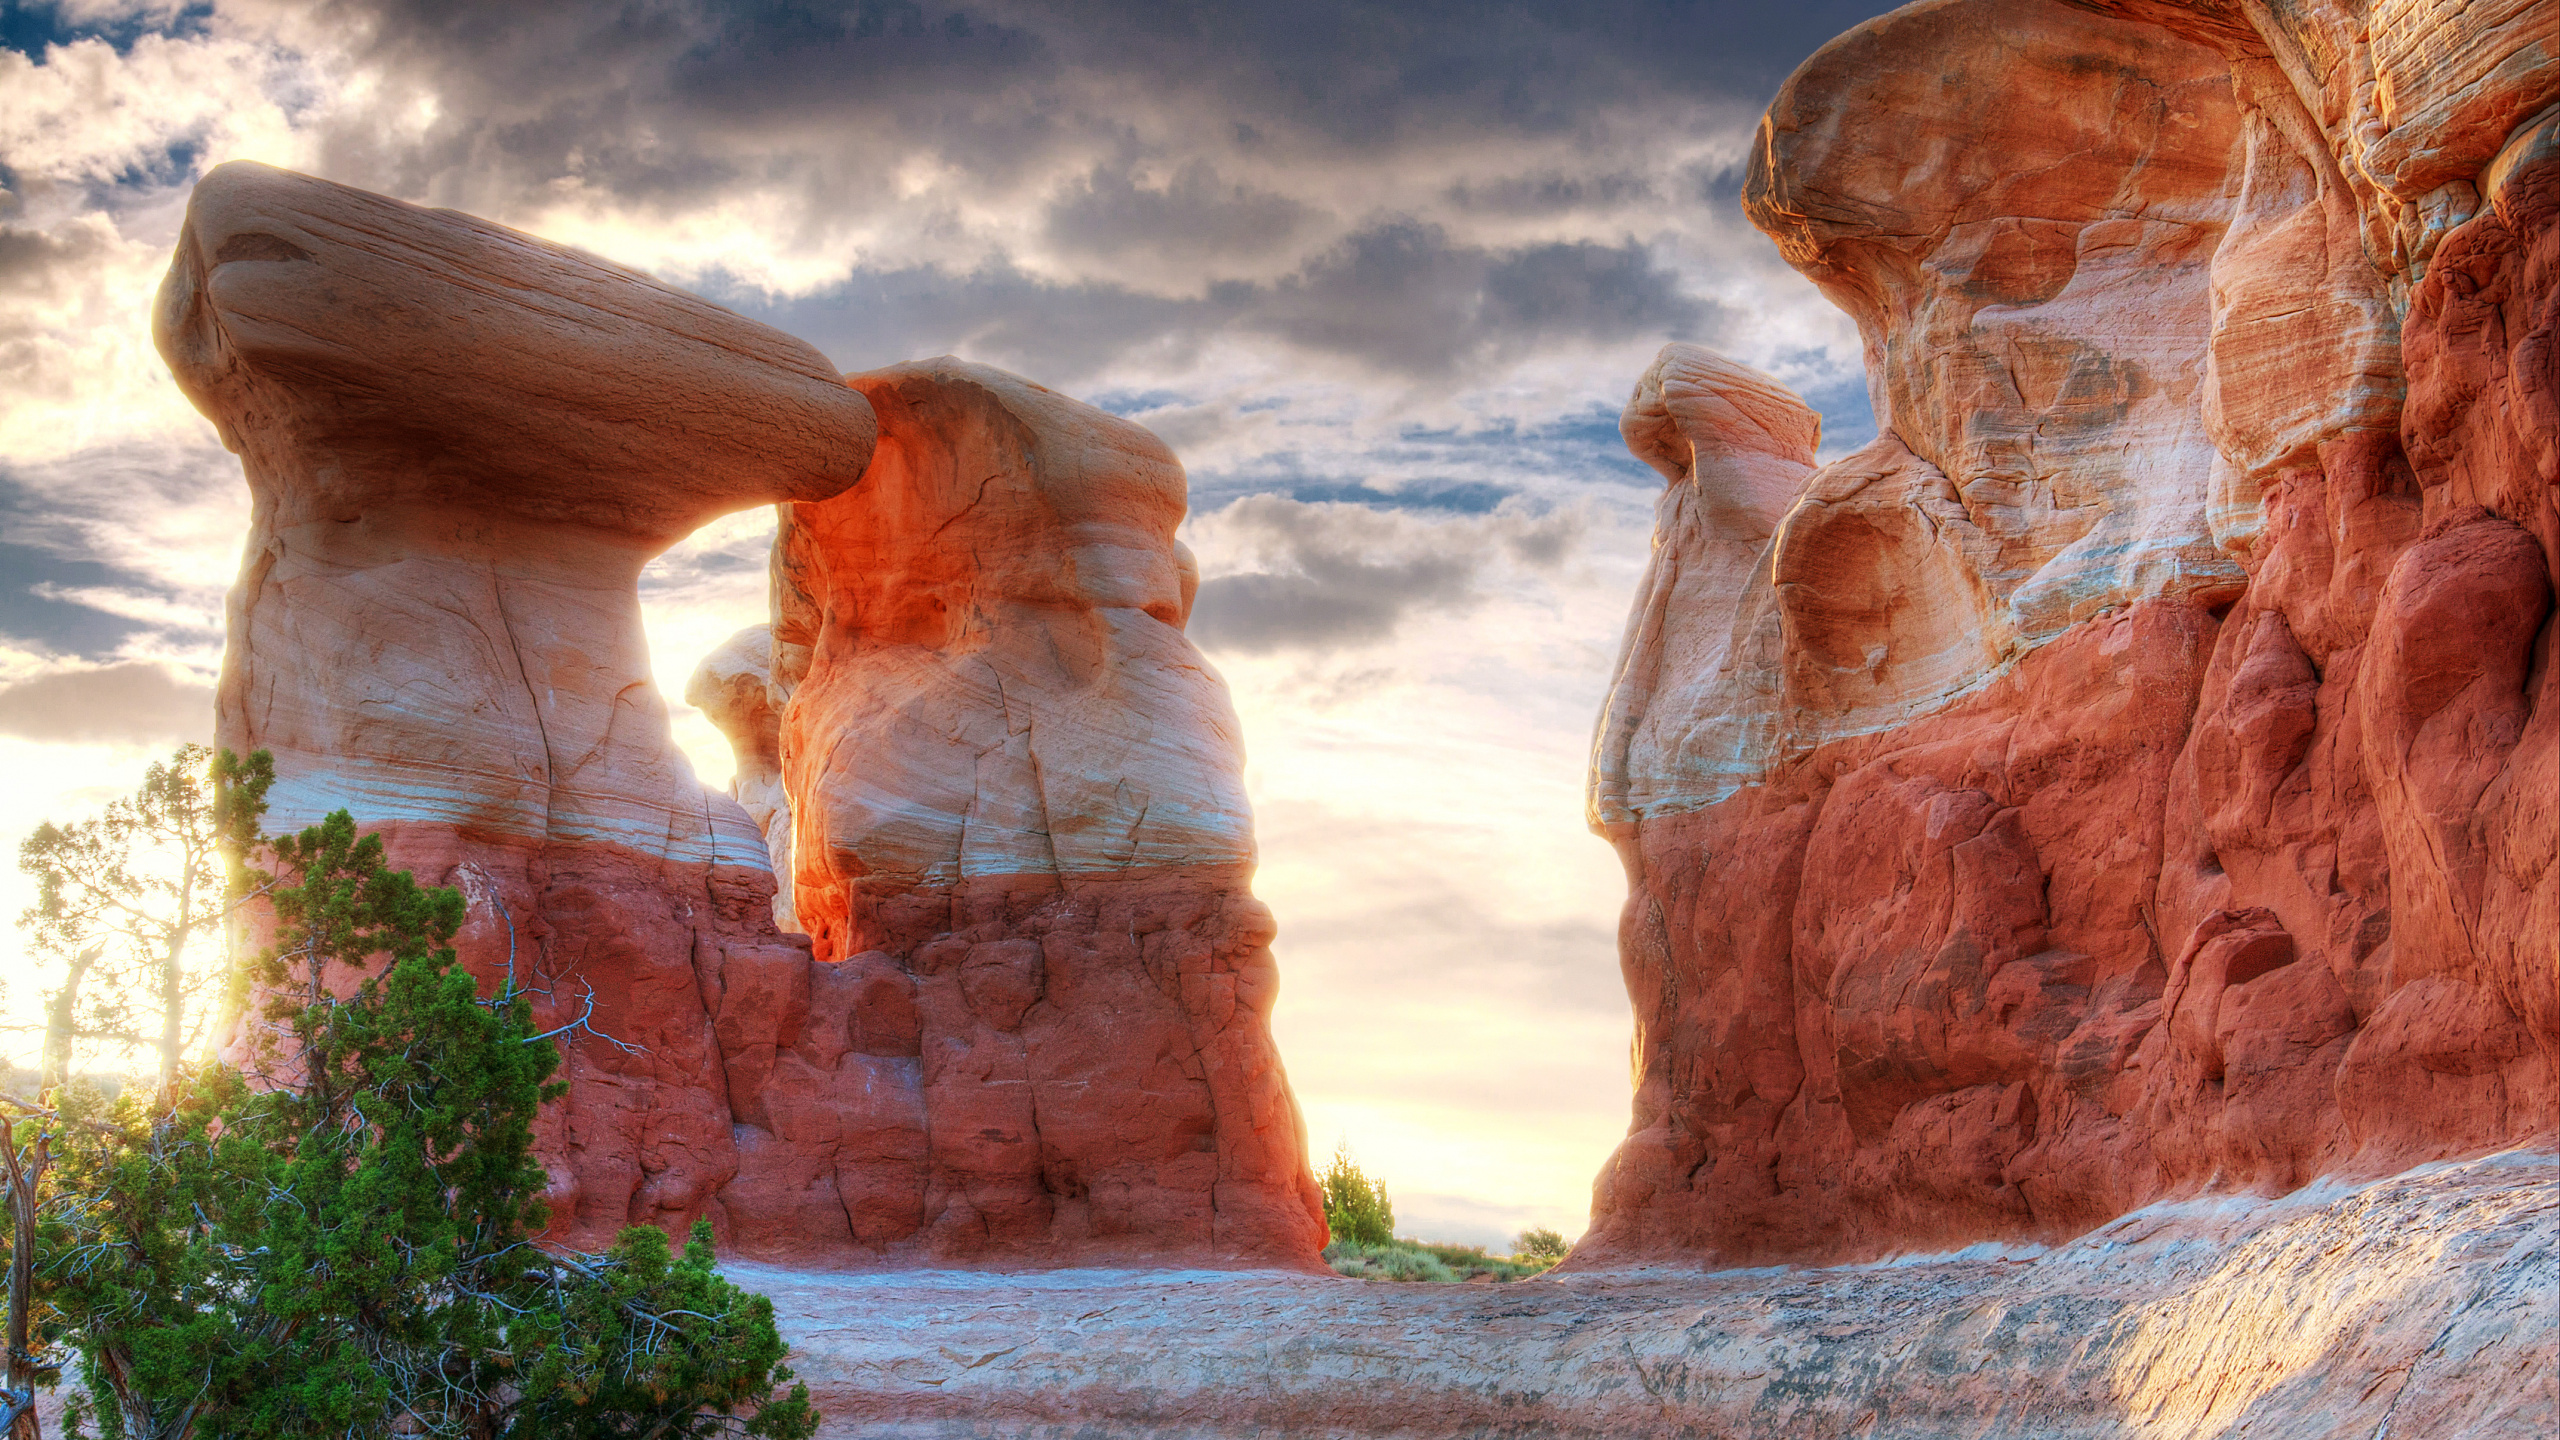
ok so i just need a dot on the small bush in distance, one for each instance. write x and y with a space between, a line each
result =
1416 1260
1355 1207
1540 1243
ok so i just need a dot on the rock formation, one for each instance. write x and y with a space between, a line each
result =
462 445
1022 851
1034 1028
2138 770
734 687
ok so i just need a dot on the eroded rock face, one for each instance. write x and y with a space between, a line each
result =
1034 1026
1023 854
462 444
2136 771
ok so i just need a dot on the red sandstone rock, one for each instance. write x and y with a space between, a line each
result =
1035 1028
1019 820
1947 922
2025 245
463 444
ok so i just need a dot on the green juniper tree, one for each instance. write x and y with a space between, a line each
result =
1355 1206
345 1246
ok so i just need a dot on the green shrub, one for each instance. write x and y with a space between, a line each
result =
1355 1206
1416 1260
1540 1243
345 1248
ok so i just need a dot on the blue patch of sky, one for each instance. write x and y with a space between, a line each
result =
1446 470
59 627
1125 403
30 27
170 167
1460 497
1848 420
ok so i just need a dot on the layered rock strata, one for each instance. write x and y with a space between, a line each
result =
2137 771
1022 852
462 444
1033 1028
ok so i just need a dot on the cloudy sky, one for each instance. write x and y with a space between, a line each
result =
1381 271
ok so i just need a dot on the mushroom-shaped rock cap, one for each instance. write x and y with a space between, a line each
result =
437 358
1738 433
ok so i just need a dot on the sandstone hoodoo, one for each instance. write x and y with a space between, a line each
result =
1018 824
2138 770
462 445
1034 1028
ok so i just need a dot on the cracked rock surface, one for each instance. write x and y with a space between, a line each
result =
2424 1304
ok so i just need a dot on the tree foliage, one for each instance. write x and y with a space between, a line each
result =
1355 1206
1540 1243
124 900
341 1241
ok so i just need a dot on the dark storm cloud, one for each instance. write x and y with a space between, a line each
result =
997 314
1194 214
1552 192
1397 298
1332 575
1402 297
1591 292
1055 185
136 703
1342 600
1372 71
670 101
1362 71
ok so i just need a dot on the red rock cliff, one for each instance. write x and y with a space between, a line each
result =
2138 771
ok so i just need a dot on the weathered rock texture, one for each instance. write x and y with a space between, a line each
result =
2138 771
1034 1026
2428 1304
734 687
462 445
1022 851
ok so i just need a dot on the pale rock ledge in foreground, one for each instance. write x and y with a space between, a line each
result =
2427 1304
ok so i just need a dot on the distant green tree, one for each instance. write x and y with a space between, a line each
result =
1355 1206
345 1246
129 902
1540 1243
